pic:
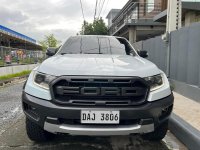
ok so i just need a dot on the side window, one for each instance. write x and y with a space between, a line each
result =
127 46
117 47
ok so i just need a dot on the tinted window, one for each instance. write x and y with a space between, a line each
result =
95 45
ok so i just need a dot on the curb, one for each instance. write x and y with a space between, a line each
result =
12 80
187 134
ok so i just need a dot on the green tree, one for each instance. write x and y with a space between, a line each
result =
49 41
98 27
87 29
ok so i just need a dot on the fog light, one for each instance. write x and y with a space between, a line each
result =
165 109
31 111
166 112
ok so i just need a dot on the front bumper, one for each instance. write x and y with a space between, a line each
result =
48 115
103 131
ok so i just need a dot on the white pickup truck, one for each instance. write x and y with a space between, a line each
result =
97 85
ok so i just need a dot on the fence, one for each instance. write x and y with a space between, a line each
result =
157 51
185 55
184 58
13 56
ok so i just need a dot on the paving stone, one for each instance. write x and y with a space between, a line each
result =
187 109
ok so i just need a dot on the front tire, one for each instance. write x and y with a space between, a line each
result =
158 134
36 133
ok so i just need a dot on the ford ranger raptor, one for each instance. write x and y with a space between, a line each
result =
97 86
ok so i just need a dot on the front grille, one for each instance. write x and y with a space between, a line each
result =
99 91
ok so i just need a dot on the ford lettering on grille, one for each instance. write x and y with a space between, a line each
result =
101 91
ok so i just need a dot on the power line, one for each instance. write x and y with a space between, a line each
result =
105 7
98 6
101 8
95 12
83 17
99 3
82 10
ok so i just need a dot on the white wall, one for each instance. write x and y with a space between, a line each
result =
16 69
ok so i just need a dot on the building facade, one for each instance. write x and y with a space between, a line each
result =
135 20
190 13
111 15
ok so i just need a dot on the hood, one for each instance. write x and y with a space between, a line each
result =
98 65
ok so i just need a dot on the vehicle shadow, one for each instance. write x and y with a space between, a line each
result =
63 142
68 142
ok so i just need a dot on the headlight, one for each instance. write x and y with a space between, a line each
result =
155 82
42 80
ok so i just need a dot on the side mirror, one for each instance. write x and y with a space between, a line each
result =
143 54
51 51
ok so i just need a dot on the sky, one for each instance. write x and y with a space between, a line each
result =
63 18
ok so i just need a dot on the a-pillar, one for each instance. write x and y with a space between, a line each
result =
132 35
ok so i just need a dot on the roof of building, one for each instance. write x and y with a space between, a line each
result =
16 34
195 6
113 11
191 5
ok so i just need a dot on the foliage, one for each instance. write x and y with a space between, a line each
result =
98 27
1 63
28 61
10 76
49 41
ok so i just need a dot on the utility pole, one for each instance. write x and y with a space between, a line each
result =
174 19
84 24
174 11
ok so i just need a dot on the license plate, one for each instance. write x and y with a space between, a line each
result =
99 117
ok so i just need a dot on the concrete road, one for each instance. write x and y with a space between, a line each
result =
10 105
13 134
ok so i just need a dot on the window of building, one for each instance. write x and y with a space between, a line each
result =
134 14
149 6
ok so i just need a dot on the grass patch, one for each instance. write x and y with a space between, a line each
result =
27 61
1 63
10 76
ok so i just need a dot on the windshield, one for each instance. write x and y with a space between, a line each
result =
96 45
